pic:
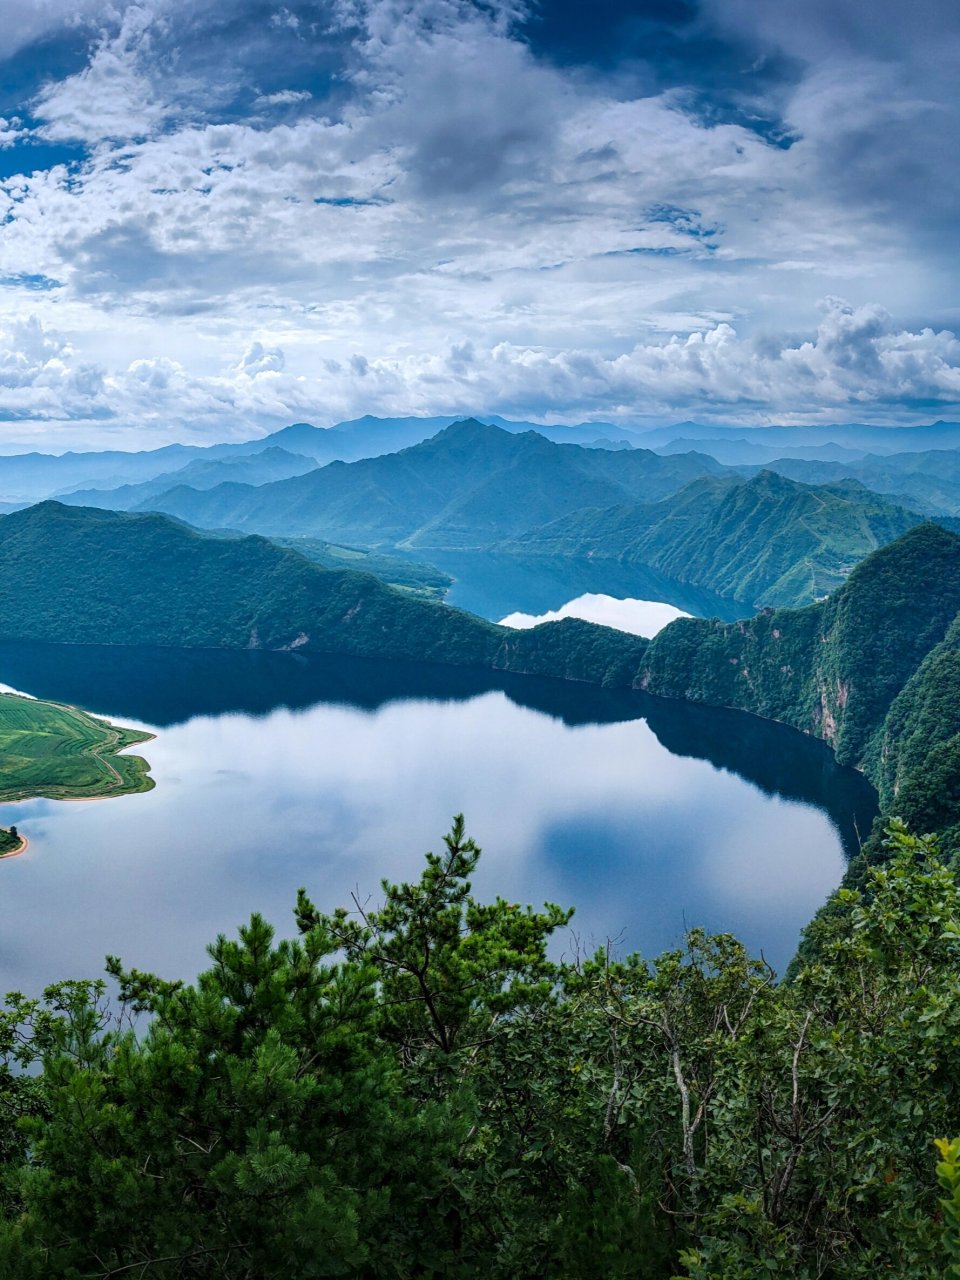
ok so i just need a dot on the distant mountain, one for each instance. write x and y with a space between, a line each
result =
928 482
850 435
80 575
370 437
469 486
202 473
765 541
29 477
740 451
26 478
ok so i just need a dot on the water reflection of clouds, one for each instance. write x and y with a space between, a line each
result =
597 816
638 617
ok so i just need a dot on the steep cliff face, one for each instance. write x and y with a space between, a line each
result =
874 670
834 668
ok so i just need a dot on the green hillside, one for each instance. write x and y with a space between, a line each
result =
414 576
874 670
64 754
928 481
765 541
470 486
871 669
85 576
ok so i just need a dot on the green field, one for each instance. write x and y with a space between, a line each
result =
64 754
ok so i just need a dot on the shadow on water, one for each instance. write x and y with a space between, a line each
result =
166 687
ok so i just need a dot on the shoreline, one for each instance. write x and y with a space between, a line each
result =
15 853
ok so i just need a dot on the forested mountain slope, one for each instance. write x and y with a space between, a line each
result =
928 482
874 670
81 575
765 541
469 486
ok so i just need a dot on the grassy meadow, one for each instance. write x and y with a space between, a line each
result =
62 753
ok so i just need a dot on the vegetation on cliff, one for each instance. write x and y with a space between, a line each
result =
872 669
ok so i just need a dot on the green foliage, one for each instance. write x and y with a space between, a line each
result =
10 841
415 1089
948 1175
52 750
765 541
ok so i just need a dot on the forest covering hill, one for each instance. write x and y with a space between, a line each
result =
757 540
418 1088
765 541
76 575
868 669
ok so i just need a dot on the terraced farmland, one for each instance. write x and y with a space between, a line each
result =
59 752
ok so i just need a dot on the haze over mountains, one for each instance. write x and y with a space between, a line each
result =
707 506
469 486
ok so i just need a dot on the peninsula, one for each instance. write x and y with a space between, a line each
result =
61 753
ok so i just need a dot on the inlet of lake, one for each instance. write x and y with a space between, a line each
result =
279 770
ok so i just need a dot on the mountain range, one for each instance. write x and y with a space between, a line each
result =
765 540
80 575
470 486
874 669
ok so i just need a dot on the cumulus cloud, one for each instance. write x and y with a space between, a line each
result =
258 359
858 359
112 97
283 98
440 216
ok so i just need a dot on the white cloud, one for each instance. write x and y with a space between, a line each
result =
285 98
461 224
859 364
112 97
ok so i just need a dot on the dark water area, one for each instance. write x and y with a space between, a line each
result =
496 585
280 770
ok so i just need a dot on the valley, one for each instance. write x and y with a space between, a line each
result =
716 695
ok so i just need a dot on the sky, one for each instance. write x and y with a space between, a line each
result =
219 218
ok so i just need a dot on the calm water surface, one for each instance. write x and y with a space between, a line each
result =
495 585
275 771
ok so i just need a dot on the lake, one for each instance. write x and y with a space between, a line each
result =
495 585
279 770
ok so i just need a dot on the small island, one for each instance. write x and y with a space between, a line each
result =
58 752
11 842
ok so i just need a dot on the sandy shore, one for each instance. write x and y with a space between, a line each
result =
15 853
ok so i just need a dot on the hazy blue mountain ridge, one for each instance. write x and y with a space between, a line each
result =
469 485
201 473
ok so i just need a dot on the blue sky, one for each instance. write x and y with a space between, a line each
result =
219 218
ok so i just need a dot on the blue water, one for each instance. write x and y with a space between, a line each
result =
275 771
